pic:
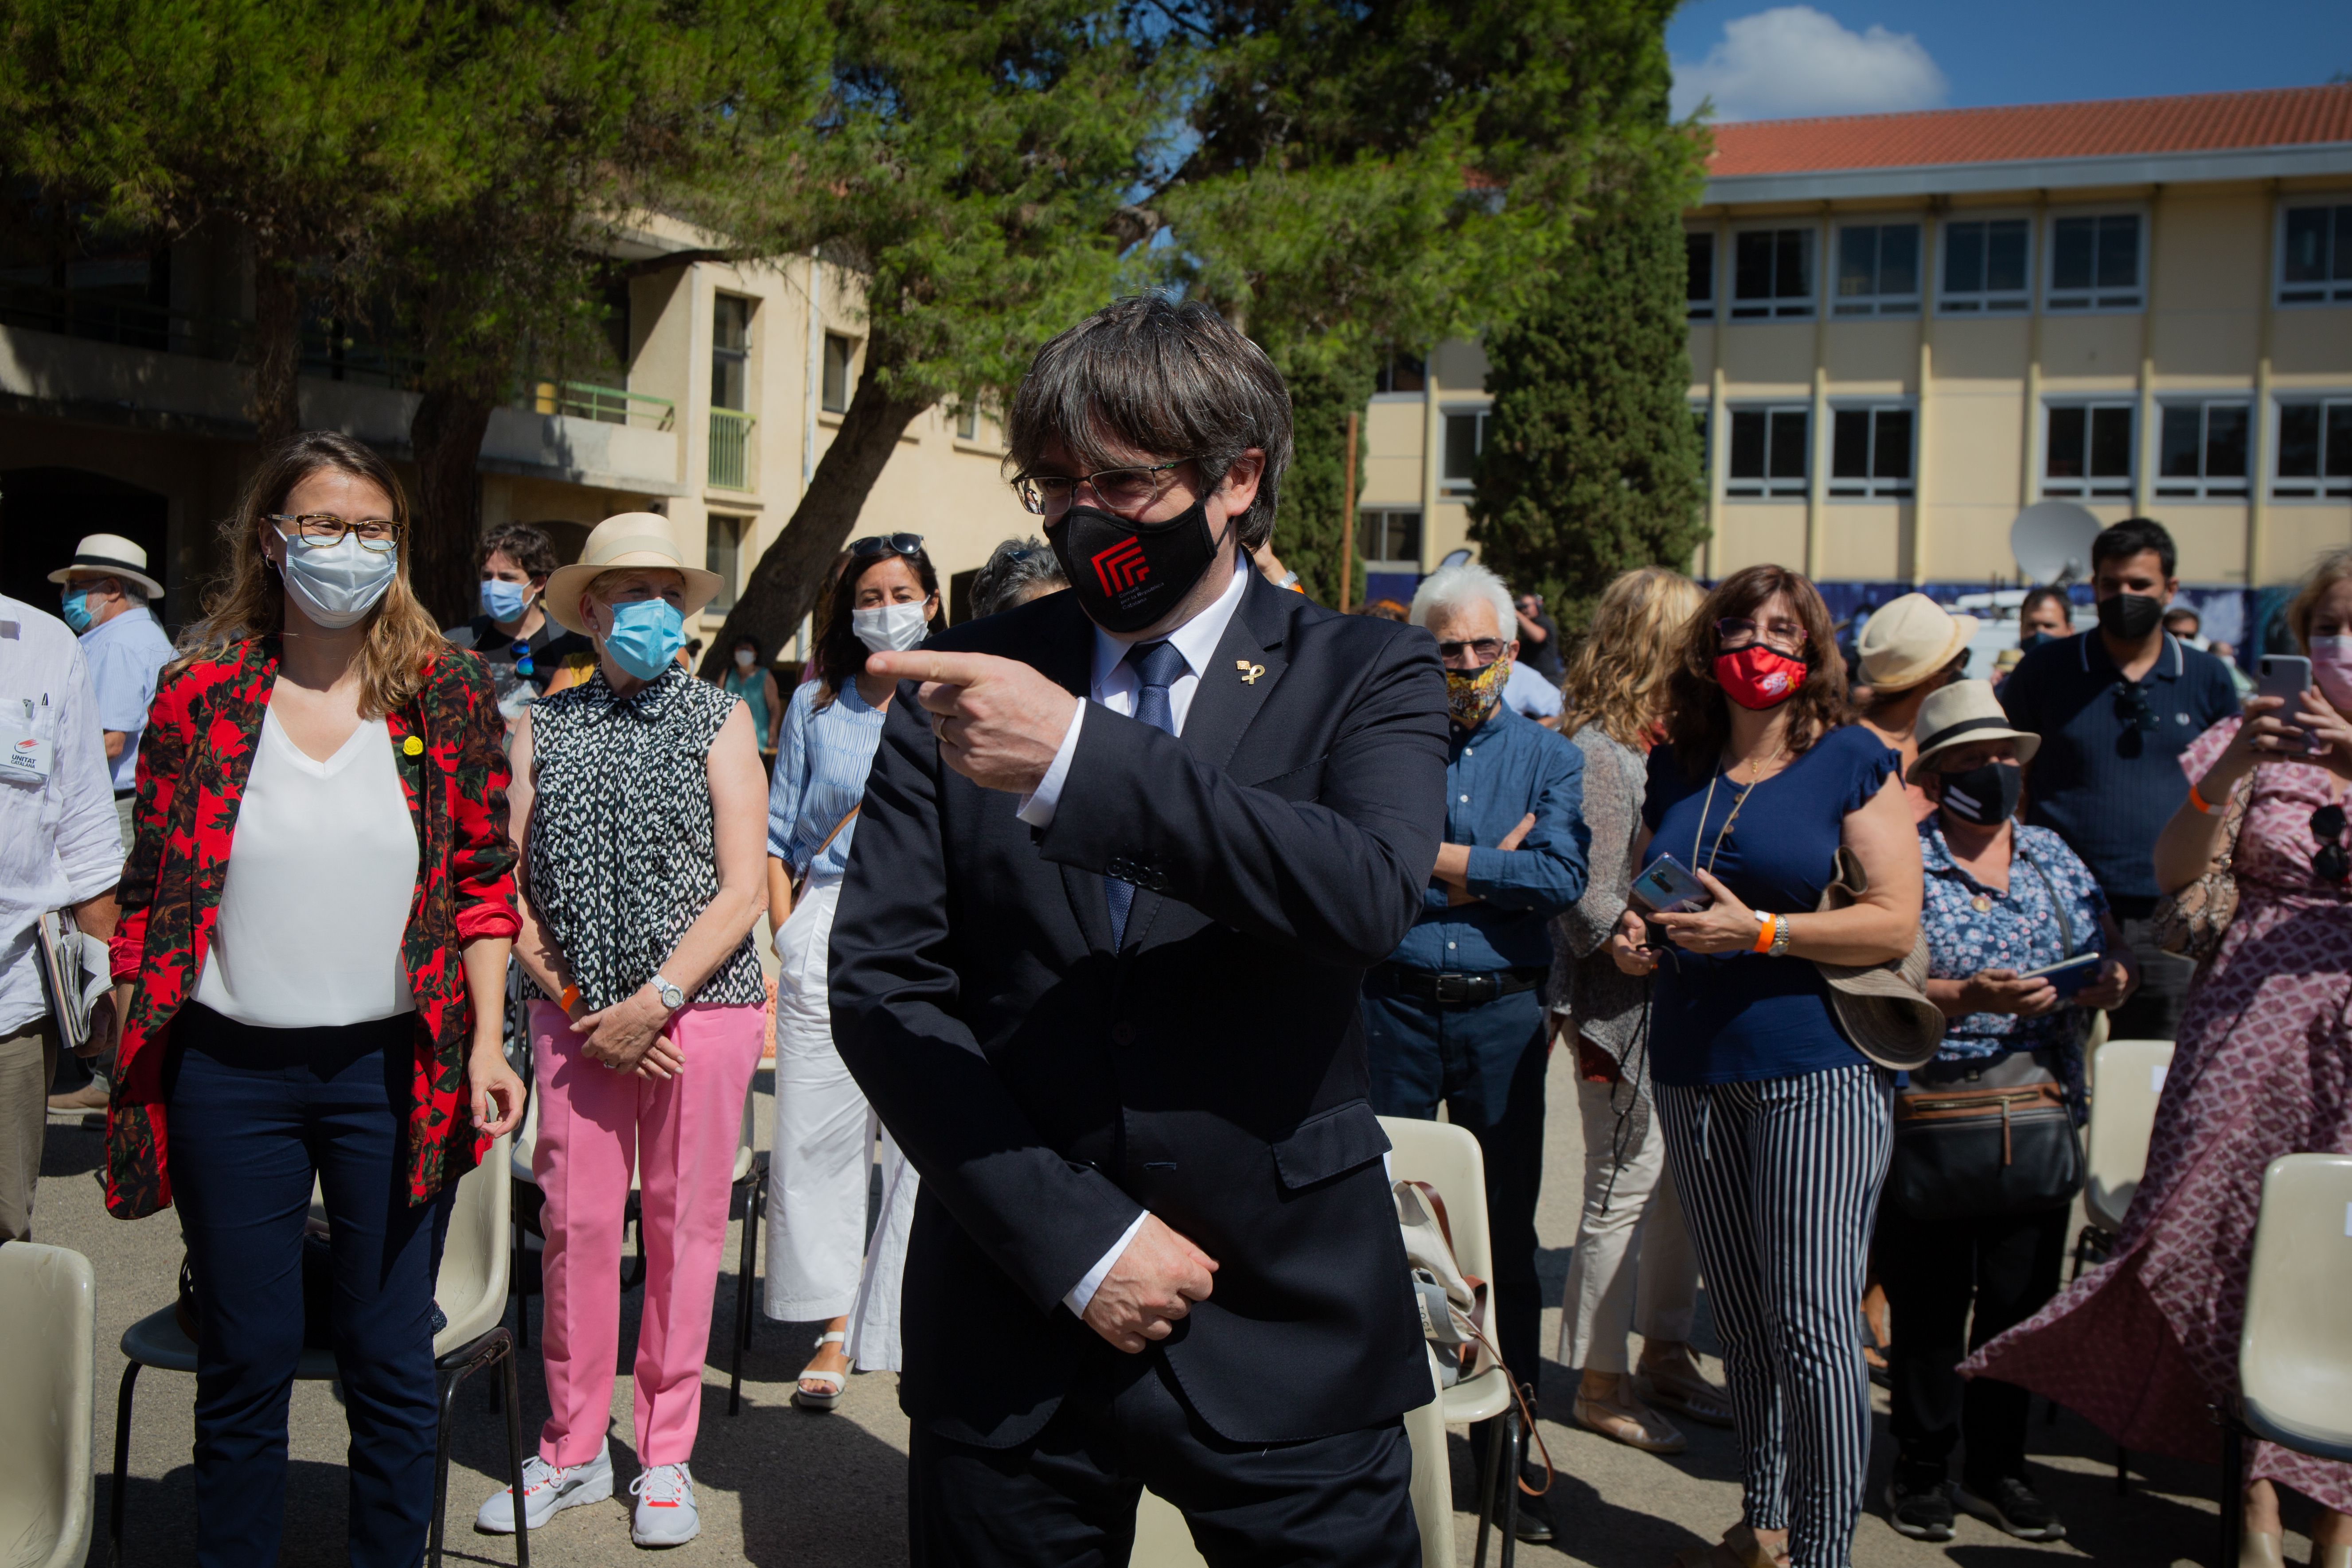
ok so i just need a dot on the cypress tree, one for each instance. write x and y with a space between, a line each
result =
1592 465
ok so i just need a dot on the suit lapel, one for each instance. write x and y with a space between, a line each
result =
1069 663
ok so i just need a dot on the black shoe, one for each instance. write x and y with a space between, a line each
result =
1921 1512
1535 1516
2009 1504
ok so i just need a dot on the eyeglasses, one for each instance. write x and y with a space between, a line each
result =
874 544
2330 863
2132 706
315 530
1488 649
1121 489
1732 633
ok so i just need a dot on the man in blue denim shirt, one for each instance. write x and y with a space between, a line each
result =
1455 1015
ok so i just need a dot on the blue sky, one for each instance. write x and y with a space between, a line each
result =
1762 61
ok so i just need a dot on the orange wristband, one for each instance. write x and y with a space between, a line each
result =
570 994
1767 925
2197 798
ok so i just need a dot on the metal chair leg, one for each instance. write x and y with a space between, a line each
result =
1513 1442
450 1384
1488 1466
742 1334
114 1501
514 1458
2122 1471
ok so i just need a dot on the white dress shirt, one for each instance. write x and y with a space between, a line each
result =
59 843
1115 684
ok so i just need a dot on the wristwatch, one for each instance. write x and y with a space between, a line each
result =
1781 936
671 996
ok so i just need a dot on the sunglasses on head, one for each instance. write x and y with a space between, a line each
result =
874 544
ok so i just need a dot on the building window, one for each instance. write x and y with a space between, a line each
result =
2316 259
2087 450
1400 372
722 555
2314 449
731 353
1391 537
1699 255
835 390
1870 452
1769 451
2202 451
967 424
2095 263
1985 266
1465 437
1772 274
1878 271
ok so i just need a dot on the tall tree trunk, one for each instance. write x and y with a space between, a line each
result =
447 435
276 407
791 573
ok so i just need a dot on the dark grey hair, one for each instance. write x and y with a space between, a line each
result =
1153 376
1018 571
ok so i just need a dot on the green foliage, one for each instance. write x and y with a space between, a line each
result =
1591 464
1311 534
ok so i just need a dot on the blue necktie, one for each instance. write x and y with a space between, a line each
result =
1159 663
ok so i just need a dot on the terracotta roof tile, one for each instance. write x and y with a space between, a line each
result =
2118 126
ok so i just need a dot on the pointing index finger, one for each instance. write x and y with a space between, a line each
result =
932 665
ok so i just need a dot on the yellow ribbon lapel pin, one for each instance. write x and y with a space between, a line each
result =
1250 672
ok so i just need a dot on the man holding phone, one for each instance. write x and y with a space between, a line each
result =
2113 709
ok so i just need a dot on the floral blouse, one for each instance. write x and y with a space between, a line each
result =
1970 928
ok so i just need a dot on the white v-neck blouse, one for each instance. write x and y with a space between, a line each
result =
321 874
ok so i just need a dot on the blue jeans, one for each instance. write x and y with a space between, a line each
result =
254 1113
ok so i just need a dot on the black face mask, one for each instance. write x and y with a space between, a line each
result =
2130 615
1986 796
1131 574
2031 640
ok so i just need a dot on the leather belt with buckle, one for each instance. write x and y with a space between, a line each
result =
1456 988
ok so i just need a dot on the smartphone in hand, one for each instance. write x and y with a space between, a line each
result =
1667 887
2286 677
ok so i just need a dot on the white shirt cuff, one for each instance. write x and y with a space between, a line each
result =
1037 809
1091 1281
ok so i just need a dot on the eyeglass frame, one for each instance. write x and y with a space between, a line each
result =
1723 642
1478 646
876 545
344 528
1036 506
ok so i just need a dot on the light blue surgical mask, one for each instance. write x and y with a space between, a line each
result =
646 636
76 610
504 601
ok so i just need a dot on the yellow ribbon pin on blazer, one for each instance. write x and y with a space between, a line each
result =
1250 672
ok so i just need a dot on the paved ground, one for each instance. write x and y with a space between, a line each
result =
779 1488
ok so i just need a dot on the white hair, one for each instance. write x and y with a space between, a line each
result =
1451 587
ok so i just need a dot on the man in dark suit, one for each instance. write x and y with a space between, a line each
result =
1125 856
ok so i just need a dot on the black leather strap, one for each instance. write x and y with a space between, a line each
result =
1455 988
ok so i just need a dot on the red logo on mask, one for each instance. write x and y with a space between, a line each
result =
1122 567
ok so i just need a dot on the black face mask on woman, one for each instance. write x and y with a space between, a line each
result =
2130 615
1986 796
1130 574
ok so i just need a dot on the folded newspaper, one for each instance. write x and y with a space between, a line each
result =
77 970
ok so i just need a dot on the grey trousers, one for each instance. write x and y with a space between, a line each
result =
29 1060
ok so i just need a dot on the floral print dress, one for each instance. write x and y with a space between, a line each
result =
2144 1344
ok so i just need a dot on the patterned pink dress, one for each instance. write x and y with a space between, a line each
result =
2144 1344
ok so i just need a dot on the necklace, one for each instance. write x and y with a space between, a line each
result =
1756 776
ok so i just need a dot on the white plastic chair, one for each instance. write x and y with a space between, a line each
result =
2295 1355
1449 1159
471 1291
49 1378
2128 1076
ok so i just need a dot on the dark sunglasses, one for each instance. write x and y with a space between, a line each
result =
2330 863
1487 649
873 544
2132 706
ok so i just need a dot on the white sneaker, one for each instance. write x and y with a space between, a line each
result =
666 1515
547 1490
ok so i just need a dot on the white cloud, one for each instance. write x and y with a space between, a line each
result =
1793 60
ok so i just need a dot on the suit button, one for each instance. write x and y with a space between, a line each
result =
1122 1033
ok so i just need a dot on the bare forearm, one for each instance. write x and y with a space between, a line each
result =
780 893
715 934
1951 998
2184 850
98 917
540 958
486 983
1860 934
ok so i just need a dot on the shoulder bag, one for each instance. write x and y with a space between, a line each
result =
2191 923
800 883
1986 1140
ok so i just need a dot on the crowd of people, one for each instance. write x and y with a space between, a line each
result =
1108 920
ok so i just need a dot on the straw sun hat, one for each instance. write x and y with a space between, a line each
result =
1909 640
630 539
110 555
1963 714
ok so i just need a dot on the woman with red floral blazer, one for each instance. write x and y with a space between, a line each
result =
318 910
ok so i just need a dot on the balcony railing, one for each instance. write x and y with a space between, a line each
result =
604 405
730 449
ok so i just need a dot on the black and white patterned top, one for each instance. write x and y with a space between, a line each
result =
624 855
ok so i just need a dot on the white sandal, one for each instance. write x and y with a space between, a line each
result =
839 1380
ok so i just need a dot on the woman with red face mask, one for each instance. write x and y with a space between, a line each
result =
1777 1128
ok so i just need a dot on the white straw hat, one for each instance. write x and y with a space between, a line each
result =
1909 640
1962 714
110 555
629 539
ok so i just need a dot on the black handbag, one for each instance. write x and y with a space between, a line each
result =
1977 1141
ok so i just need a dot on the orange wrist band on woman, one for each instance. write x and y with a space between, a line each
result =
1765 926
570 994
2197 798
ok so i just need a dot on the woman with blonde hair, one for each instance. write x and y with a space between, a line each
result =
312 965
1632 1268
2148 1344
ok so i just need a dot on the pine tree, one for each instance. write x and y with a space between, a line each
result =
1593 464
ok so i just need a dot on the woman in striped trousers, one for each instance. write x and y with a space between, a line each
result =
1777 1129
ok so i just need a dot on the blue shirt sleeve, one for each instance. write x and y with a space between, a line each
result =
1546 873
125 682
792 774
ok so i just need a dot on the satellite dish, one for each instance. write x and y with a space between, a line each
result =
1454 558
2051 541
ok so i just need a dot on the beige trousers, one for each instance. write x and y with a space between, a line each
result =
29 1061
1634 1268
